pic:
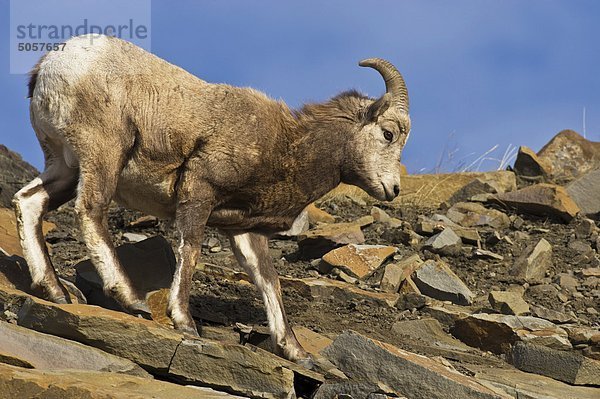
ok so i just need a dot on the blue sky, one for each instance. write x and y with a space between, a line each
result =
480 73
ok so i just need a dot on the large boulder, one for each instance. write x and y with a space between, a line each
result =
497 333
47 352
585 192
570 155
540 199
531 167
369 361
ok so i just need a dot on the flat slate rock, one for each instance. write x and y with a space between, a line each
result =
17 382
47 352
366 360
523 385
567 366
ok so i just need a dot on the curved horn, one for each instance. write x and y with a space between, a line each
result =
394 83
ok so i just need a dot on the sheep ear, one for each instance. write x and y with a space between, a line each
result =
374 110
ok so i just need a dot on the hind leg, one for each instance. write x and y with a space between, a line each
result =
252 253
97 185
55 186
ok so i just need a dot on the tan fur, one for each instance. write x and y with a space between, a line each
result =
148 134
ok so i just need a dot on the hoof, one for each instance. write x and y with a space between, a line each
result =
140 308
189 332
62 300
307 362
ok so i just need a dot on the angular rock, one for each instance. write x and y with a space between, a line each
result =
431 332
540 199
9 239
413 300
444 243
489 255
359 260
585 227
392 278
551 315
232 368
380 215
496 333
581 246
17 382
316 215
534 261
311 341
584 192
437 223
150 265
471 214
591 272
508 302
110 331
134 237
395 273
325 289
367 360
46 352
529 165
475 188
567 366
582 335
318 241
435 279
570 155
567 282
521 385
351 389
365 221
15 274
447 314
301 224
213 244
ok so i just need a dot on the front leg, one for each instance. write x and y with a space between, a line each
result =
190 218
252 253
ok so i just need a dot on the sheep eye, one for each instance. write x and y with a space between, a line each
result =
388 135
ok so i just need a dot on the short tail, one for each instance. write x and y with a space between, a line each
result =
33 75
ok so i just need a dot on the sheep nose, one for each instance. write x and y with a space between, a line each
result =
396 189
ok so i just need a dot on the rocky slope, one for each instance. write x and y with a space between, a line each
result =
469 285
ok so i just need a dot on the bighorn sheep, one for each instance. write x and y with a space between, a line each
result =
116 122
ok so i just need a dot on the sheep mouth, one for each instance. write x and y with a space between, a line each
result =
389 194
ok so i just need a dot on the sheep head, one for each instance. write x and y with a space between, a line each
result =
374 150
